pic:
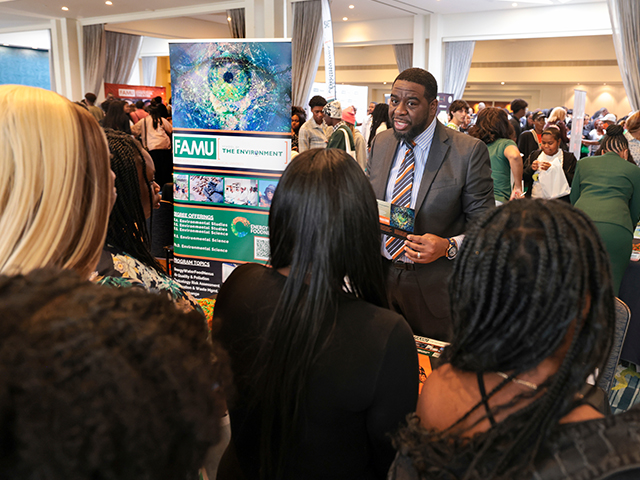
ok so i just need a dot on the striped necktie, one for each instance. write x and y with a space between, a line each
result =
402 196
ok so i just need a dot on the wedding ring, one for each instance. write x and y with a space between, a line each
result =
418 255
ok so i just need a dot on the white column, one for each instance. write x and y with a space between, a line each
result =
66 40
436 48
419 41
274 18
253 15
265 18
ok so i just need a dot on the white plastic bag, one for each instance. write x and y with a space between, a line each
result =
553 182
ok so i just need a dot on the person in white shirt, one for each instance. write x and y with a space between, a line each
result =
314 133
365 128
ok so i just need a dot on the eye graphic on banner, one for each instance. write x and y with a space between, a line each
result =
229 86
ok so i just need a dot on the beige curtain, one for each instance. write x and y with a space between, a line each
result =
237 23
149 70
306 46
457 63
94 47
404 56
123 51
625 23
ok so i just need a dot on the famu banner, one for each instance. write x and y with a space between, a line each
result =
231 142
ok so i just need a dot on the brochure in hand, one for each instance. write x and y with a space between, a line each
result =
395 220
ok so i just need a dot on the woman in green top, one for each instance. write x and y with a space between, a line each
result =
607 188
493 128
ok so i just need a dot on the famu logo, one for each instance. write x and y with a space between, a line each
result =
240 227
194 147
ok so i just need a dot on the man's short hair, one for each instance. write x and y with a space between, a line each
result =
421 77
317 101
91 97
139 104
518 104
458 105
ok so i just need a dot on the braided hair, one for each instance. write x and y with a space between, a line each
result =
127 223
531 276
614 141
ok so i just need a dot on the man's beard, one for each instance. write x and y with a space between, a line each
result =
413 132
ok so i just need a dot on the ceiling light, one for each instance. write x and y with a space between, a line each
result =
501 83
384 83
65 8
344 19
228 19
514 4
108 2
352 7
604 83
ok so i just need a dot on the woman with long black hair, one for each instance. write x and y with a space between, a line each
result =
379 121
533 317
323 372
116 118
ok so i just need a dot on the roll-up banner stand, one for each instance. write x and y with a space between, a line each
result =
231 143
577 122
329 58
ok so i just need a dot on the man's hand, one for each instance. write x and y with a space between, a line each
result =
425 248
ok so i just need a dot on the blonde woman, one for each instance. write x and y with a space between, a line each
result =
556 119
56 188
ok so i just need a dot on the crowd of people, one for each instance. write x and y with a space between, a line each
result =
109 370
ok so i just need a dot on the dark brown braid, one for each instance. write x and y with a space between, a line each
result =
127 223
525 274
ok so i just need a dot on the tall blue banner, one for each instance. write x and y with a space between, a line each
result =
231 141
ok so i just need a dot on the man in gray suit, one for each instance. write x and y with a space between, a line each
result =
446 177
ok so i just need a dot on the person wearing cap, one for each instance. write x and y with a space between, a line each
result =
530 140
596 135
341 132
349 117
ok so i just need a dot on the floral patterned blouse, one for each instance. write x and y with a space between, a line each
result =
118 269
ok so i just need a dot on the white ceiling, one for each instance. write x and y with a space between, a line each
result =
19 14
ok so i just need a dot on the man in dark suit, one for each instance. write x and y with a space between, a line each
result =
448 177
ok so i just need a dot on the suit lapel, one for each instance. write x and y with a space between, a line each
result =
439 148
389 154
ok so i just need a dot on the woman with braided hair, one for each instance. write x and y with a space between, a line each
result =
607 188
533 317
126 259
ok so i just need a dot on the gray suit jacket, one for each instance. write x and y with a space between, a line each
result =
456 187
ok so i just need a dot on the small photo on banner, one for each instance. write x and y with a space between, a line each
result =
241 191
267 188
205 188
180 187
